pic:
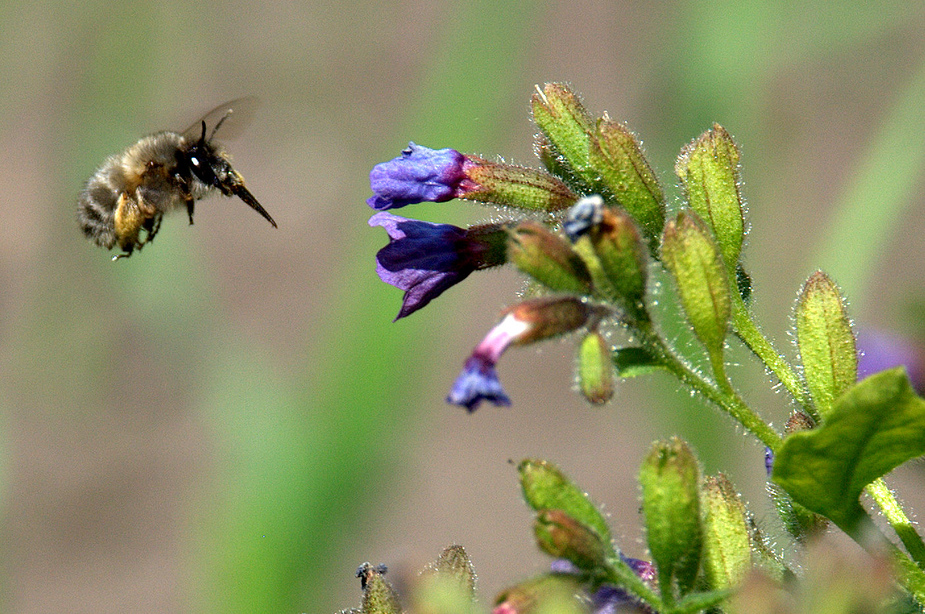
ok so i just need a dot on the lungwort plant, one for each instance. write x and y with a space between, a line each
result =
591 232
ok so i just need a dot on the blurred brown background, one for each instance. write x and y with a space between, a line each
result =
230 421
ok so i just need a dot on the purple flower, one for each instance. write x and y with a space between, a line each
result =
879 350
419 174
527 322
424 259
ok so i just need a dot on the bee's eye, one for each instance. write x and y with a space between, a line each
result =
194 161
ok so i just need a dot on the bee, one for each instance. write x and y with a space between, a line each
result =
124 201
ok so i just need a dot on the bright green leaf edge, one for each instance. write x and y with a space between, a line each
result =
877 425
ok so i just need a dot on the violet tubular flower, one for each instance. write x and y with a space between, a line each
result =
527 322
424 259
419 174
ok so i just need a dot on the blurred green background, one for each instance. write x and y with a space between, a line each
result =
230 422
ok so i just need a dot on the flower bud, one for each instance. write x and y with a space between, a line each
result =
727 555
827 346
595 369
378 595
545 487
567 125
545 594
454 564
692 257
548 258
670 480
709 172
561 536
617 156
607 240
515 186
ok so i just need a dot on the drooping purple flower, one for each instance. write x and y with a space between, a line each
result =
610 599
419 174
424 259
768 461
527 322
879 350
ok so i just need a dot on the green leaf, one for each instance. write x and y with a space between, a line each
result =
874 427
634 361
827 347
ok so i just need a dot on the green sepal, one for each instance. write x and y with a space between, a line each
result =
520 187
548 258
875 426
378 595
595 369
617 156
561 536
569 129
545 487
636 361
454 567
693 259
709 172
670 480
727 554
827 345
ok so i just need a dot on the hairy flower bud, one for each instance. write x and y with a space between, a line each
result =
595 369
567 125
558 593
561 536
545 487
548 258
618 157
709 172
826 342
607 240
727 554
378 595
670 480
692 257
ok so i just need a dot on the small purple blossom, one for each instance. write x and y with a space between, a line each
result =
419 174
879 350
769 461
479 381
422 258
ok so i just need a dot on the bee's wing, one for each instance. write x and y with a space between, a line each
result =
233 117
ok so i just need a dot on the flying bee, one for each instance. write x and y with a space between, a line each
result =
124 201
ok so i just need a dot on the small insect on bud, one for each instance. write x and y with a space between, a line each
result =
709 172
378 595
607 240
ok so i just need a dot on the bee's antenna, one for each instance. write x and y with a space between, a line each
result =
202 139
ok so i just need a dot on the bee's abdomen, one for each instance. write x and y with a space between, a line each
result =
96 206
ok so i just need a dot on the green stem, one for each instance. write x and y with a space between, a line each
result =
723 395
620 574
897 518
748 331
